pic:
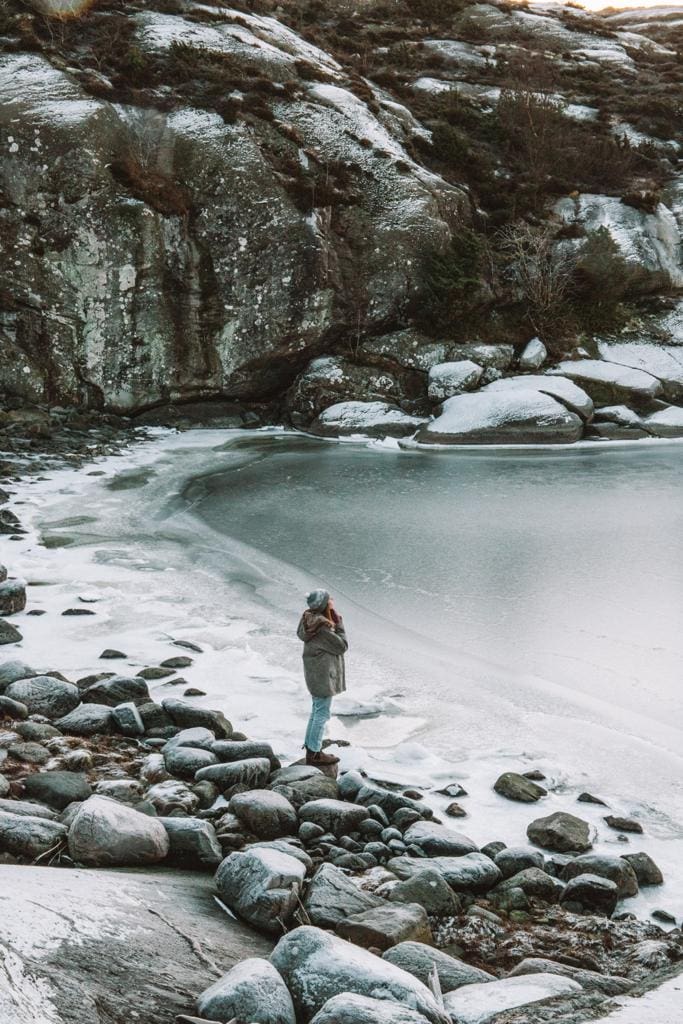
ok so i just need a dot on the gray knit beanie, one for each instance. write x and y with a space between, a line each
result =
317 600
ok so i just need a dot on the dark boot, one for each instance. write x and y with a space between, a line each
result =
316 757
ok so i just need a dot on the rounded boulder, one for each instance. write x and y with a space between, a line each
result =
105 833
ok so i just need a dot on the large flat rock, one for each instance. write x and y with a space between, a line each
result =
80 947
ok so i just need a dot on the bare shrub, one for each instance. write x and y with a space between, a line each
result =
540 271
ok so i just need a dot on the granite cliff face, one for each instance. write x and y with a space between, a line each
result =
197 201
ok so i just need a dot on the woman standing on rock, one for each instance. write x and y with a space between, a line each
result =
324 637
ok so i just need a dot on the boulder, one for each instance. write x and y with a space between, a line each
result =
26 808
153 769
591 894
334 816
266 814
4 787
516 858
436 840
106 833
590 981
192 843
660 361
87 720
617 869
421 960
353 786
448 379
29 752
316 966
154 717
39 732
332 896
386 926
371 419
57 789
252 991
645 869
29 837
517 787
301 789
497 357
288 846
169 796
609 383
126 791
12 709
252 772
475 1004
562 390
187 716
428 888
11 671
349 1008
533 356
665 422
185 762
12 597
262 886
471 873
623 824
199 737
127 720
534 882
561 832
45 695
516 416
240 750
9 634
117 690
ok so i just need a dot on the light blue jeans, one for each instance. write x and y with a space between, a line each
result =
320 714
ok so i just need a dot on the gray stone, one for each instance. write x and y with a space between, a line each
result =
192 843
127 720
262 886
512 859
304 790
316 966
39 732
11 671
349 1008
45 695
471 873
590 981
617 869
353 786
475 1004
169 795
198 737
332 896
252 991
421 960
26 808
266 814
9 634
185 762
645 869
253 773
623 824
591 894
31 753
153 716
386 926
493 849
187 716
334 816
240 750
29 837
288 846
428 888
12 597
4 787
534 882
436 840
127 791
517 787
533 356
106 833
12 709
117 690
57 789
87 720
560 832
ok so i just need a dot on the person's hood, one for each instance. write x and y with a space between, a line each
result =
312 622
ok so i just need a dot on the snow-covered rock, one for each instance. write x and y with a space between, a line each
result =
372 419
45 695
473 872
665 422
514 416
533 355
348 1008
332 896
609 383
476 1004
262 885
252 990
436 840
421 960
448 379
559 388
665 362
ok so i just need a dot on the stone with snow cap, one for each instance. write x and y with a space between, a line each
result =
524 416
336 816
665 362
609 383
421 960
562 390
448 379
476 1004
665 422
252 991
252 772
471 873
332 896
316 966
437 840
371 419
45 695
533 356
349 1008
262 886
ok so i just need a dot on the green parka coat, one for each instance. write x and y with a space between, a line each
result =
324 648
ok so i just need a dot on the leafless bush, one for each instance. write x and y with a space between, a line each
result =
540 270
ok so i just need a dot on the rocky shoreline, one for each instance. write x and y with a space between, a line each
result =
381 912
